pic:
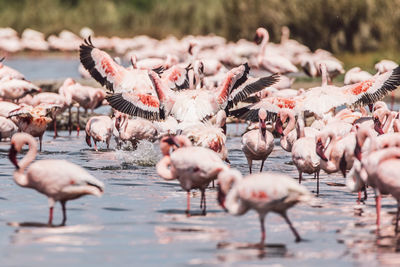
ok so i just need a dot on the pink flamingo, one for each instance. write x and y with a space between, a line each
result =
7 128
258 144
13 89
33 120
193 167
262 192
6 107
304 154
274 63
356 75
134 130
6 71
100 129
59 180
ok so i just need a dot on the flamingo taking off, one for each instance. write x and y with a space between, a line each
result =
59 180
262 192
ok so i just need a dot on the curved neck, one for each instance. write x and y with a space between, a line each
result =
164 168
300 128
291 124
389 118
264 43
233 203
332 141
19 175
324 75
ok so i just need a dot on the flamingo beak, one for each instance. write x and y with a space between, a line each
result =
263 127
171 141
117 121
12 155
278 126
221 198
257 39
320 151
370 107
378 126
357 151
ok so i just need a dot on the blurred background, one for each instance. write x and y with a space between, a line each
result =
359 32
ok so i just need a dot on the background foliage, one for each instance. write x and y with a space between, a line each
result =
337 25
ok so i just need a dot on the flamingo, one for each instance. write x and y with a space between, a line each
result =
6 107
14 89
258 144
272 62
100 129
262 192
384 66
154 100
52 99
323 99
7 128
356 75
33 120
193 167
6 71
210 135
304 154
59 180
134 130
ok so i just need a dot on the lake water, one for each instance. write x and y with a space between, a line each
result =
140 220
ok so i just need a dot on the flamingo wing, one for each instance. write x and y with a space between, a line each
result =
245 89
271 104
24 111
137 104
177 77
101 66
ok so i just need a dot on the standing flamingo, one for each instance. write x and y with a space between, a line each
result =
100 129
262 192
59 180
258 144
193 167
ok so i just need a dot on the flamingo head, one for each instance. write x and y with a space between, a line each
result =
12 155
262 115
168 142
320 149
260 33
280 120
226 179
378 125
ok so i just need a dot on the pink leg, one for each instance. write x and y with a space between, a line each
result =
359 197
188 203
78 127
318 182
300 176
378 210
69 120
55 127
95 145
392 101
50 216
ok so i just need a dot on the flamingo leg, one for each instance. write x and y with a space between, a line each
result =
300 176
365 192
95 145
250 162
397 218
78 127
318 182
359 197
296 234
64 211
262 218
262 165
392 101
55 127
188 203
378 210
69 120
203 201
40 143
50 223
213 184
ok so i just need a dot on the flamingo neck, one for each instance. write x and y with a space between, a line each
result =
291 124
165 169
388 123
331 144
233 203
124 126
19 175
263 45
324 75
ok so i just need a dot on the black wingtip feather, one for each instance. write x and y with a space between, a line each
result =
117 102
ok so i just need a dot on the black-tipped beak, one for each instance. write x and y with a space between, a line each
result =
357 151
221 198
378 126
171 141
278 126
257 39
12 155
320 151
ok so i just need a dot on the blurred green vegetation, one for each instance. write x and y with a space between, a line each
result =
336 25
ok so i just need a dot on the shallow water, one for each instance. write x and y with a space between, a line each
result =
140 218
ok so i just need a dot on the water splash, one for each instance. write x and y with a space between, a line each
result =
146 154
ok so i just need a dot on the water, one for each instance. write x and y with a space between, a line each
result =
140 219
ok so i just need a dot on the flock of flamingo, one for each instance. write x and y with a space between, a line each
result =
181 92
